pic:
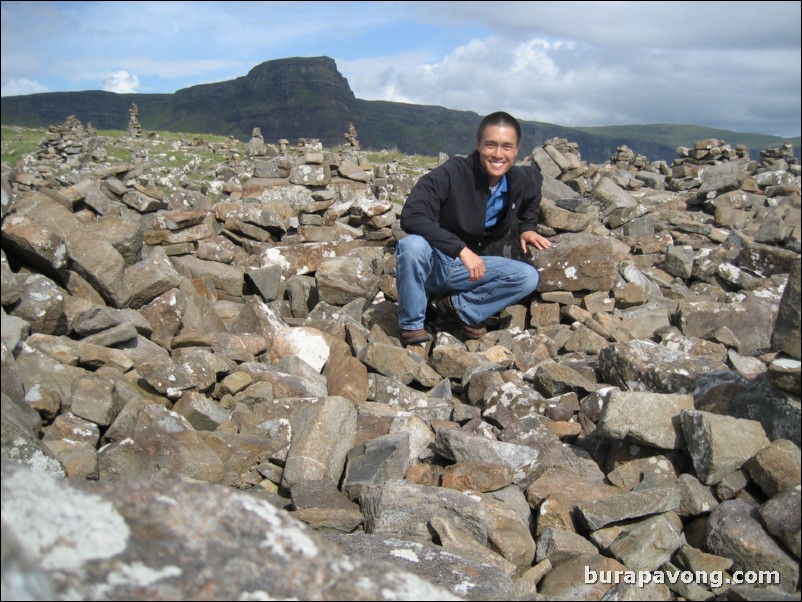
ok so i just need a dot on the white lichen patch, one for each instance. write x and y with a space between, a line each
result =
61 536
406 554
570 273
311 348
141 575
281 537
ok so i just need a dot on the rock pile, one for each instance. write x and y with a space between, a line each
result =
191 365
134 127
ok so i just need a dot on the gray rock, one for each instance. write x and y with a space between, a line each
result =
552 379
392 361
647 418
310 175
19 442
778 411
95 399
149 278
203 414
611 196
645 366
79 458
323 507
679 261
719 445
653 471
786 374
785 335
735 532
166 375
343 279
465 578
557 546
647 544
387 509
385 458
631 504
137 550
751 321
228 279
695 498
576 262
41 305
568 489
169 442
781 517
320 442
463 447
35 242
586 577
776 468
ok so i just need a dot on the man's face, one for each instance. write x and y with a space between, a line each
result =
497 150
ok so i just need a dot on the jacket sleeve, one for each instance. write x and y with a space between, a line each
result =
530 203
421 212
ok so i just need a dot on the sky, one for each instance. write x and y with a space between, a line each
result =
729 65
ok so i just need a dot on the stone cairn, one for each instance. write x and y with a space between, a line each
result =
134 127
66 143
640 412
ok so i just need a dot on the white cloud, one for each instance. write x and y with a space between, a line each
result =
121 82
18 86
565 83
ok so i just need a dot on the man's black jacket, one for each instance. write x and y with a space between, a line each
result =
447 206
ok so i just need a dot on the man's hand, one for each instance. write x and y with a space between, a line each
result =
534 239
474 264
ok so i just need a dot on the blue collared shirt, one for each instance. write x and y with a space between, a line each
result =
495 204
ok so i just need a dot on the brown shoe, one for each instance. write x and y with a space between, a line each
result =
445 307
415 337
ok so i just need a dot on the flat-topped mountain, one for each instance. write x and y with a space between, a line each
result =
308 98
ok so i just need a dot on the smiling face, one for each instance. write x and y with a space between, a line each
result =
497 150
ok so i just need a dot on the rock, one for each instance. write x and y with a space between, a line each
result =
320 441
781 517
477 476
585 577
464 578
719 445
169 442
642 365
567 489
785 335
776 468
632 504
343 279
308 344
576 262
556 546
462 447
324 508
735 532
647 544
645 418
147 553
751 321
490 523
385 458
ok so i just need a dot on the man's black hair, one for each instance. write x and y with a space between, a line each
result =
499 118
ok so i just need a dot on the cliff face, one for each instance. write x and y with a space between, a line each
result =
309 98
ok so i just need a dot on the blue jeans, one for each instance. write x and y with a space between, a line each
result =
422 272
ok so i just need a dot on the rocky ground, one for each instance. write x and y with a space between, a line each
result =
204 395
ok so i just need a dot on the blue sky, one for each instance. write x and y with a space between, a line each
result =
733 65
